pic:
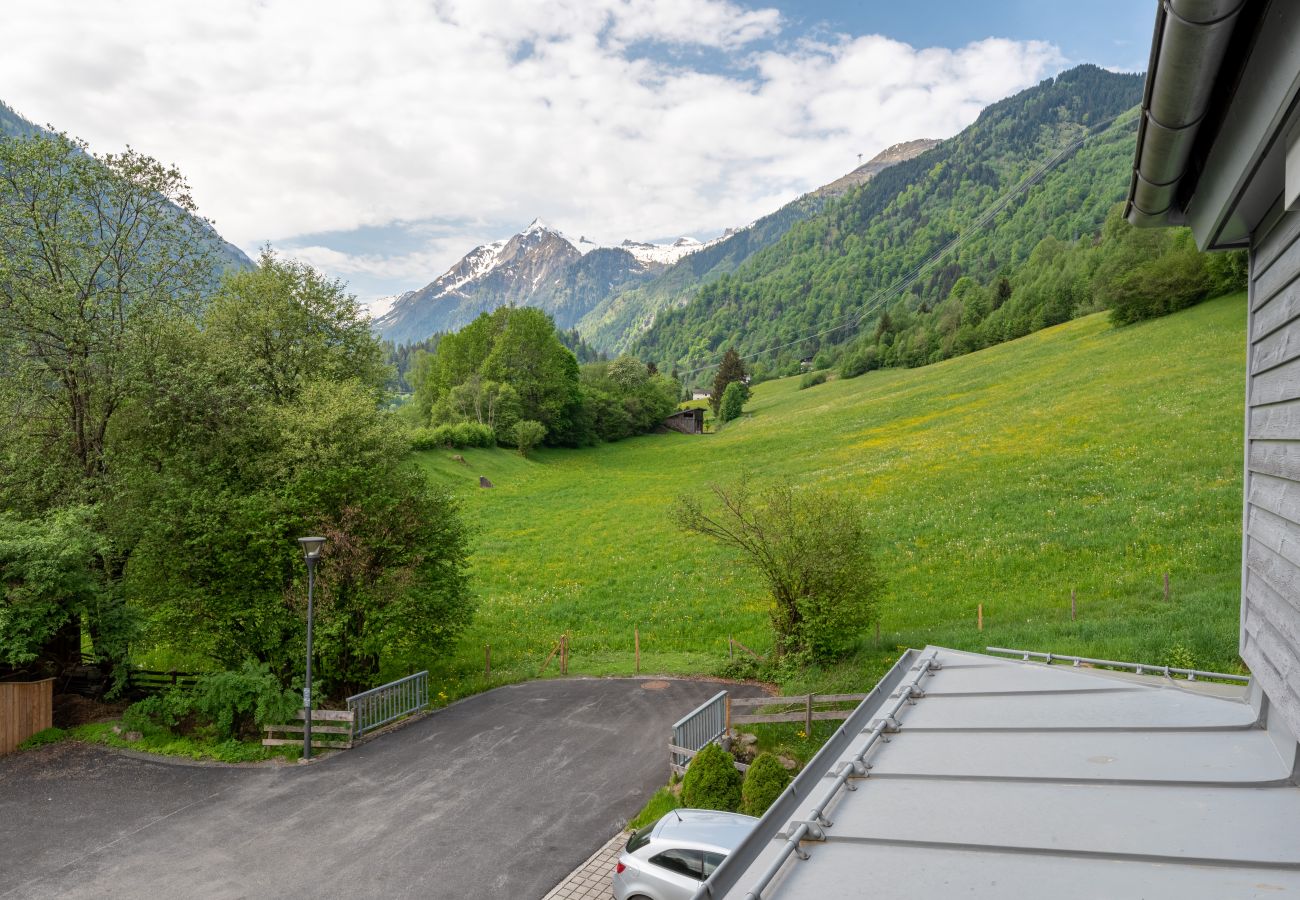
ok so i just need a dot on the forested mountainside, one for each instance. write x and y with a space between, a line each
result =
12 125
825 271
620 318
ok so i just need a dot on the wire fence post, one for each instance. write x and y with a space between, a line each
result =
487 662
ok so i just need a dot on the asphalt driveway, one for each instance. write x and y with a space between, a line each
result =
498 796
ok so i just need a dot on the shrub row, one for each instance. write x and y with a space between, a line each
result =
462 434
712 782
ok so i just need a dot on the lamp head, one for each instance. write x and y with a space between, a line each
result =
311 547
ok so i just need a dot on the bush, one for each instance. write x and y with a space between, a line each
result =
764 782
812 379
733 402
424 439
712 781
444 436
43 737
166 709
231 702
860 363
239 701
473 434
528 434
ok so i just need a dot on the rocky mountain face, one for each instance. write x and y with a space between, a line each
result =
538 267
890 156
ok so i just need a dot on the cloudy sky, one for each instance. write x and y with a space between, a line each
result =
380 141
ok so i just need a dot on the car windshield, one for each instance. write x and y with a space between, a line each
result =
639 838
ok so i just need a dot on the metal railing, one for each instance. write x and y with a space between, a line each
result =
381 705
1139 668
705 723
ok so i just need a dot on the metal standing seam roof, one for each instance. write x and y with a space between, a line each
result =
996 777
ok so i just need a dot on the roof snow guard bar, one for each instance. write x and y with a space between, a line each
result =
812 829
1140 668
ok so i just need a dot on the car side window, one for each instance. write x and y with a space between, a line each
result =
684 862
712 861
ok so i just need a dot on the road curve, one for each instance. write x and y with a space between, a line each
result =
498 796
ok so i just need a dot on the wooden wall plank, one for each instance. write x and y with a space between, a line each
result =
1276 385
1277 276
1270 351
1278 239
1278 458
1276 421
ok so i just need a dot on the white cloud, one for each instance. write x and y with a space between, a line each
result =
614 118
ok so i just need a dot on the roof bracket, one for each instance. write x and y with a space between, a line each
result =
891 725
814 832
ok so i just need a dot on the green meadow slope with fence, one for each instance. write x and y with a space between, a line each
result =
1077 490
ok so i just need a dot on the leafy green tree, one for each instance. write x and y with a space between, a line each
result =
814 550
49 580
97 253
733 401
528 434
286 325
731 369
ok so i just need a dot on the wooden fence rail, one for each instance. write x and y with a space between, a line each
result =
26 707
334 730
800 709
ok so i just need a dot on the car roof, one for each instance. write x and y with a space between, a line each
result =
705 827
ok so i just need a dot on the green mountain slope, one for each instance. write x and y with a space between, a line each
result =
621 317
1082 456
823 270
12 125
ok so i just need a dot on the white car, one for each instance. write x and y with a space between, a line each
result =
669 859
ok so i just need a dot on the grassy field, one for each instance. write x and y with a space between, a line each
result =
1081 457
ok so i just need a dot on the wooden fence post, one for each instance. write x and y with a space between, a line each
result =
807 718
980 617
564 654
1166 587
1072 606
731 648
636 639
487 662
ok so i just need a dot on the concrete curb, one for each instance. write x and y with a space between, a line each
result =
591 880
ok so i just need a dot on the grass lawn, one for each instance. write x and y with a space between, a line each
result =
1081 457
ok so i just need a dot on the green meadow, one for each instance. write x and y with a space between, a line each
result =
1081 457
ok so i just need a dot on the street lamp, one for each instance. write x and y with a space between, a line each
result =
311 547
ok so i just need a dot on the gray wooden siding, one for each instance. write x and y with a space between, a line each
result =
1270 584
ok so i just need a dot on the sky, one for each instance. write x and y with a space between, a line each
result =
381 141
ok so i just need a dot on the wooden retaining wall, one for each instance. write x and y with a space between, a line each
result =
26 707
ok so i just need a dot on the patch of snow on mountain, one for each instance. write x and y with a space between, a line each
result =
661 254
477 263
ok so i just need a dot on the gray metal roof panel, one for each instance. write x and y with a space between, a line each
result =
855 871
1005 777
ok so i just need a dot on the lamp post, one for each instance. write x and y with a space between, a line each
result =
311 547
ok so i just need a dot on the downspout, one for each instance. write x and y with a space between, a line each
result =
1191 39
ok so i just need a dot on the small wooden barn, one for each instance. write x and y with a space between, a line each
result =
687 421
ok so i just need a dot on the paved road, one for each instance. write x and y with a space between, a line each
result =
498 796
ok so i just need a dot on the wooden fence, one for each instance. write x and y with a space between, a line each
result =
26 707
148 681
333 733
807 709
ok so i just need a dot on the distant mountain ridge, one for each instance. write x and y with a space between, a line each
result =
538 267
13 125
609 294
823 272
